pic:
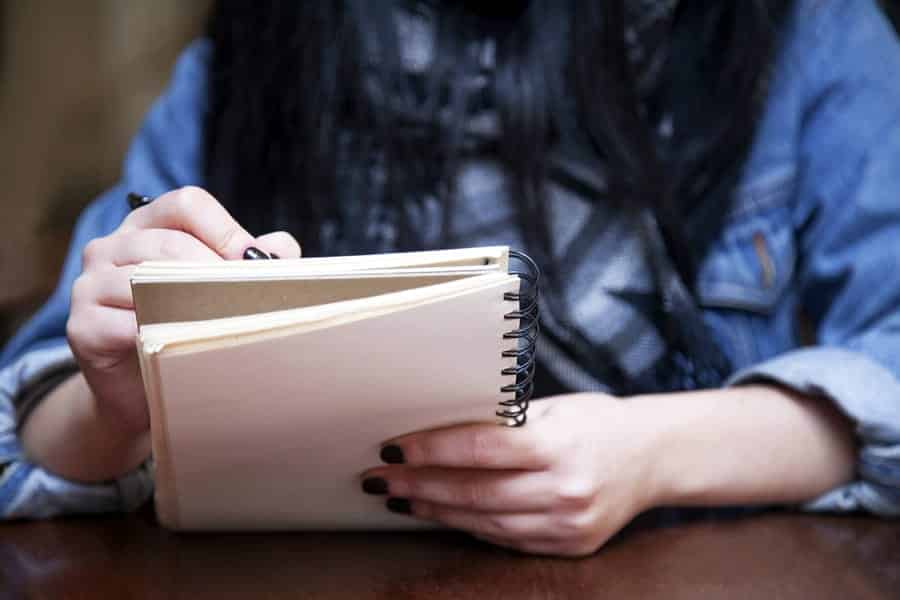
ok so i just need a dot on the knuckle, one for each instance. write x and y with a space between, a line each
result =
81 289
194 190
79 334
187 198
74 330
227 238
192 194
92 252
182 200
575 492
575 523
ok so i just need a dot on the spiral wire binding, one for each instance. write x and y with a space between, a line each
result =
514 411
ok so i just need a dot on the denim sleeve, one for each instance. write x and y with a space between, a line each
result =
848 223
165 154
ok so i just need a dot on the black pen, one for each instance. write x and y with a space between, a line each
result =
136 201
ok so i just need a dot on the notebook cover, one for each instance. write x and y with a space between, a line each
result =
199 300
273 434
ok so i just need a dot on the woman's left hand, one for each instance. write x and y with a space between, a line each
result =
576 473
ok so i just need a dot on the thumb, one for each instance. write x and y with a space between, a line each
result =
281 243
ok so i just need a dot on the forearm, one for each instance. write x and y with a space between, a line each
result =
68 435
747 445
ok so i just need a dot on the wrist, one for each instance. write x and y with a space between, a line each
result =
663 446
683 443
748 445
69 435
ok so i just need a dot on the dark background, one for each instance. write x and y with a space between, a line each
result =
75 81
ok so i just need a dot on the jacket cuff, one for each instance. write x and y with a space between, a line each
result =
867 393
29 491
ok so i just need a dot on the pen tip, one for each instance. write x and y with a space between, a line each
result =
137 200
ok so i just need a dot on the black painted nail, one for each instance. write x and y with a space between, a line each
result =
375 485
401 506
254 253
392 455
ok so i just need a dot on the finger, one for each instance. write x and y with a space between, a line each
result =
501 525
194 211
110 287
102 332
280 243
479 445
131 247
472 489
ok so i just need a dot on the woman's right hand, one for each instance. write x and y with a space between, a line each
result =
185 224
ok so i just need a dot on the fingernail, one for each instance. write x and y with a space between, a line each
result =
392 455
401 506
375 485
273 255
254 253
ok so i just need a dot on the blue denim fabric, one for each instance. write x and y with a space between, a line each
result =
164 155
815 224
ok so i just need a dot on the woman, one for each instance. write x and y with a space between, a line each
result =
691 176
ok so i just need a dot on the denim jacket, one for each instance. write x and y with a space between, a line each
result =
815 223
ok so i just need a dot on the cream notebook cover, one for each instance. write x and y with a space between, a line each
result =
272 384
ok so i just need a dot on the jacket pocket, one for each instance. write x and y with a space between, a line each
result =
751 264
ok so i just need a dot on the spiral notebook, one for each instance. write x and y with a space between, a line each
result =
272 384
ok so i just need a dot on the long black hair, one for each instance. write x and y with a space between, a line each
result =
289 77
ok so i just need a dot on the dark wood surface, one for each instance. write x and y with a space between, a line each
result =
770 556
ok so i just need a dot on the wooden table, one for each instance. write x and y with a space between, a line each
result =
770 556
